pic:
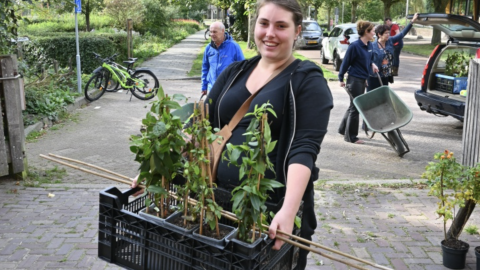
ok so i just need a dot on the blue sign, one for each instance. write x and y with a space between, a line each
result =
78 6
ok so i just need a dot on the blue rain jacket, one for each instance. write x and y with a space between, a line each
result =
215 60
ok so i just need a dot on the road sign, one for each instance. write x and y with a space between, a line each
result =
78 6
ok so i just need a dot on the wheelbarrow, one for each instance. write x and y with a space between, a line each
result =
384 112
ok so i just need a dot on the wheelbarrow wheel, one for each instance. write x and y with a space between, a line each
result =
395 140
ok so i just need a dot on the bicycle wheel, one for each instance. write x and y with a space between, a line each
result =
112 85
147 88
207 34
95 87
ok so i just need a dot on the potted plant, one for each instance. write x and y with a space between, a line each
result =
449 181
199 183
250 196
159 151
455 77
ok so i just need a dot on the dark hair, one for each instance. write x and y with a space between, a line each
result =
387 19
363 27
381 29
289 5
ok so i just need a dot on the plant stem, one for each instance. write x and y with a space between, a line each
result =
162 208
443 204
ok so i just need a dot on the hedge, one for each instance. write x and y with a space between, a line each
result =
62 47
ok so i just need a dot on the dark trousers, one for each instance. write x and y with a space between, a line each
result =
349 125
309 224
374 83
396 55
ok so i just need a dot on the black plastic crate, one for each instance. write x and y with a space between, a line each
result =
128 240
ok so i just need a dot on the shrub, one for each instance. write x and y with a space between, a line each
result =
42 50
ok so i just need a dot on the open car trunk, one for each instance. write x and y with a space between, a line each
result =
463 39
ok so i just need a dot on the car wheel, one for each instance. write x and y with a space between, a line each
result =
337 62
322 55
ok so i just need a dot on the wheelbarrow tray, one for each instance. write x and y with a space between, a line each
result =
383 110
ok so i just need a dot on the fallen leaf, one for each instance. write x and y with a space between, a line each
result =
51 195
17 183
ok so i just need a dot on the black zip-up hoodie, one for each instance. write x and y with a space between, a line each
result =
308 102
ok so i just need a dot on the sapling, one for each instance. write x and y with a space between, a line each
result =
198 174
159 149
250 196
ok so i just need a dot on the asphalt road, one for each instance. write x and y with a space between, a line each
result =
426 134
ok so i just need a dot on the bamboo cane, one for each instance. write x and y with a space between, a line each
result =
89 165
92 172
232 217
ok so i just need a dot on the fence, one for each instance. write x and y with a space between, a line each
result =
12 135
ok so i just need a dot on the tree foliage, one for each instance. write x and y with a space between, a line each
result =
122 10
10 17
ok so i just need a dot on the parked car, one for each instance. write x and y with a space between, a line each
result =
311 35
336 44
437 95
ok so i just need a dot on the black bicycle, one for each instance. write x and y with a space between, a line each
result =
141 82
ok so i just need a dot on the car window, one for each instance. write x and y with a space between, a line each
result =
467 51
336 32
350 31
310 26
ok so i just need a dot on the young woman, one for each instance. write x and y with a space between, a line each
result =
358 63
383 53
298 94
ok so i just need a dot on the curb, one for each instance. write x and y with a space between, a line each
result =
79 102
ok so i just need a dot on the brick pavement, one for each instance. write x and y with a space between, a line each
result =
392 227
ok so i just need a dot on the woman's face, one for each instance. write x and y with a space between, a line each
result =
370 34
384 37
275 32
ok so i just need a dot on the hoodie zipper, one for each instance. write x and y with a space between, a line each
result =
293 135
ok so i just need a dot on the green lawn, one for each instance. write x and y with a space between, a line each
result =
419 49
196 70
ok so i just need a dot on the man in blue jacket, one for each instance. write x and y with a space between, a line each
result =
219 54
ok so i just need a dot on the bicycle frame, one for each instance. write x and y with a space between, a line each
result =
115 71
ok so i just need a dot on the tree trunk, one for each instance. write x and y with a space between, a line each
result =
386 9
251 28
87 15
329 10
354 11
439 7
460 220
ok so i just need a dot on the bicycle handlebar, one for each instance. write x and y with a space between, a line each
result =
106 60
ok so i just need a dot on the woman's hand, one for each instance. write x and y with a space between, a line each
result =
375 68
414 18
135 184
282 221
342 84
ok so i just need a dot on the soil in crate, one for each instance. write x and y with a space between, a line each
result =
179 222
213 234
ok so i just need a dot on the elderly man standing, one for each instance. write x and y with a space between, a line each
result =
221 52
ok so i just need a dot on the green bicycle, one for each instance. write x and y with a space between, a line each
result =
141 82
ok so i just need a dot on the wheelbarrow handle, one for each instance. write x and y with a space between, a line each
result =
379 79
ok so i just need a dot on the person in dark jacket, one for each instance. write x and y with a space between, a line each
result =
397 46
383 51
298 94
221 52
358 63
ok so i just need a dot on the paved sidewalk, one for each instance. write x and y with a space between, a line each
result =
367 218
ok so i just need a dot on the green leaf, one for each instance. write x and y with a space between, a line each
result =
237 198
256 203
159 129
271 146
157 190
